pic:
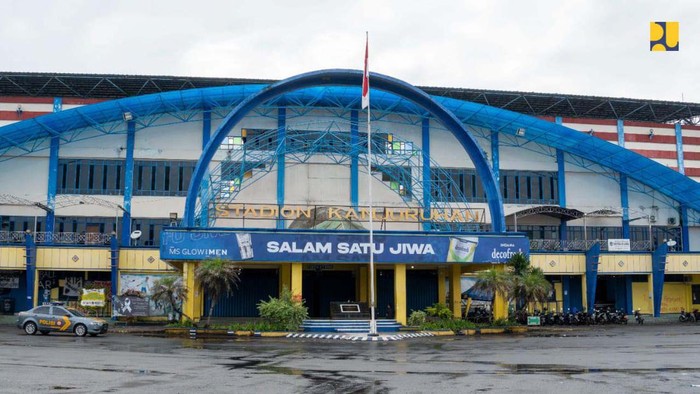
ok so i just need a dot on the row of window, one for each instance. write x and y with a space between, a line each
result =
321 141
576 233
106 177
524 187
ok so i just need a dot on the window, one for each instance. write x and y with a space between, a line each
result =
398 178
57 311
517 187
42 310
106 177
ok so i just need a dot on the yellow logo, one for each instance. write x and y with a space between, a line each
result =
663 36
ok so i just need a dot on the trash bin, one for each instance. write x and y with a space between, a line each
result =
7 306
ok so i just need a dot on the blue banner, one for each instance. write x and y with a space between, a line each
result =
288 246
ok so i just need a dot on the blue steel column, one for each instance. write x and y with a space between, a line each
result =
495 160
128 182
53 176
565 289
281 149
427 173
679 149
561 184
52 187
354 159
592 259
206 133
114 260
658 269
685 234
30 258
628 295
206 126
624 194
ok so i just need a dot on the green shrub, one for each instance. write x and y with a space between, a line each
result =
252 326
417 318
284 313
439 310
448 324
503 323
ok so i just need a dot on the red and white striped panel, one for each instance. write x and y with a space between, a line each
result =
656 141
17 108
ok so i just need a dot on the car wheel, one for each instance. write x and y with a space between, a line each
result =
30 328
80 330
44 332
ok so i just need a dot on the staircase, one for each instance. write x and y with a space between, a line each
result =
349 326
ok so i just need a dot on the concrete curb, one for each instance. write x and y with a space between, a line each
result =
442 333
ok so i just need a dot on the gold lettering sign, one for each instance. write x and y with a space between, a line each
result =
388 214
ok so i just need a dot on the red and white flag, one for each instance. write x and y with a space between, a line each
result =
365 78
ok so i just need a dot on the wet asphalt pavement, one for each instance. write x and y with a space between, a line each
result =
662 358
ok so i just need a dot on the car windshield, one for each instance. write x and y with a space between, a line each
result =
76 312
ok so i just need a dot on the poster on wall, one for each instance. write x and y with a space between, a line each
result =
131 306
72 286
9 281
140 285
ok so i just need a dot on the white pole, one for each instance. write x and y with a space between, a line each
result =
373 321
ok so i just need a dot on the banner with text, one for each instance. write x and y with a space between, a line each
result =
350 248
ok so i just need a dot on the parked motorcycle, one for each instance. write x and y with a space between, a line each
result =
638 317
686 316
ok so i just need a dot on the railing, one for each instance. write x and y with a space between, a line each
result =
581 245
11 237
18 237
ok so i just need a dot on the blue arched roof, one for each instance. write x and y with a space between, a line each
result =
635 166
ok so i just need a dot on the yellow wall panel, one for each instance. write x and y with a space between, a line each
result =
640 297
675 297
12 257
560 263
73 259
624 263
683 263
142 260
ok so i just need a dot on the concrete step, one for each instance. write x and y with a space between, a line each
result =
349 326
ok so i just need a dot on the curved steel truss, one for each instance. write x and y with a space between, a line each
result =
397 163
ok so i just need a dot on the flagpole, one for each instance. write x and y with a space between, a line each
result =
365 91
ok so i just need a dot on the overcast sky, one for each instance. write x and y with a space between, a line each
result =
591 47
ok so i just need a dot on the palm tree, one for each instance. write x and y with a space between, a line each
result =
493 281
528 284
217 276
519 263
535 287
169 290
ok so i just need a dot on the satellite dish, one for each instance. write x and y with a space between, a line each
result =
136 234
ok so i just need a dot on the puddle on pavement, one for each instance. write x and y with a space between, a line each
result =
519 369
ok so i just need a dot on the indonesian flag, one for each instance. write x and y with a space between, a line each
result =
365 78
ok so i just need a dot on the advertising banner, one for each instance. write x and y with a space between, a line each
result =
93 298
350 247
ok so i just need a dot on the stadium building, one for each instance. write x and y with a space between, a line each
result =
113 181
